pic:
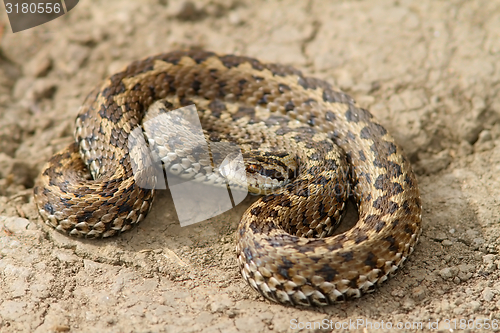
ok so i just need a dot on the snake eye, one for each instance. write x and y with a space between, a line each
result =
253 168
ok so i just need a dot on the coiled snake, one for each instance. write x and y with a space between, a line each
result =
295 132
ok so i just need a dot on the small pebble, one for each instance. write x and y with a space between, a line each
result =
440 236
474 305
408 304
478 241
464 276
446 242
489 258
488 294
484 136
217 307
458 310
15 224
419 293
186 11
447 272
66 256
234 18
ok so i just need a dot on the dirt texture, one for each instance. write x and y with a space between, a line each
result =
428 70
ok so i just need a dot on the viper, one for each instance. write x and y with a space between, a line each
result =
307 148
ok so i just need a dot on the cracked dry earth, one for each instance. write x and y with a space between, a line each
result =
429 70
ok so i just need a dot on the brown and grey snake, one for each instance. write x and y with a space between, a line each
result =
294 131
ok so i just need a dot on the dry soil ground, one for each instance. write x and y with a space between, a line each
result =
429 70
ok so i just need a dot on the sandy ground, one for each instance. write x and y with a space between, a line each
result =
427 69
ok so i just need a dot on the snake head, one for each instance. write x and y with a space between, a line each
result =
267 172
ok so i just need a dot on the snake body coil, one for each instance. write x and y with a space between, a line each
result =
294 131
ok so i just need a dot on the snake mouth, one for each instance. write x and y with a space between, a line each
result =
269 173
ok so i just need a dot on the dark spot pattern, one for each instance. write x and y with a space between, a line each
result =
392 243
383 149
383 203
356 115
231 61
320 180
406 207
371 260
362 236
244 111
348 256
330 116
196 85
351 136
372 131
282 70
200 57
248 254
216 106
362 156
268 198
332 96
379 226
49 208
289 106
408 181
282 88
327 272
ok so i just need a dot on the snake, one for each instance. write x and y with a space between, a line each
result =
307 148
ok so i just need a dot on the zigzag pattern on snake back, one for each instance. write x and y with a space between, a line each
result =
289 127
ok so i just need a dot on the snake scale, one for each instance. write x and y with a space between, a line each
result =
296 132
